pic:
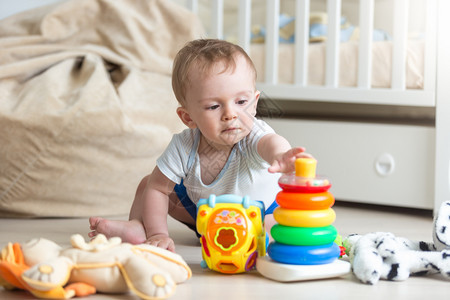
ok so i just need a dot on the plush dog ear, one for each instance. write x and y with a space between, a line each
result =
441 227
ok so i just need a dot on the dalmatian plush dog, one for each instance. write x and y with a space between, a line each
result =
383 255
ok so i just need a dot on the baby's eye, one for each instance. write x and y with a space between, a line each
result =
213 107
242 102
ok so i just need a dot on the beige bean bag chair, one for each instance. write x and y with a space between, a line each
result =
86 104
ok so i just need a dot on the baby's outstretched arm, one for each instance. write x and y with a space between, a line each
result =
277 151
285 162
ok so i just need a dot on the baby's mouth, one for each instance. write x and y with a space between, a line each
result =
230 129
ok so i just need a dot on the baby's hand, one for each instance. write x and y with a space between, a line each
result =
285 163
161 241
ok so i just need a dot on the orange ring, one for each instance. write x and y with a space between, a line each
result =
305 201
304 218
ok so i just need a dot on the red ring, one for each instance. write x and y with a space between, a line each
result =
304 189
305 201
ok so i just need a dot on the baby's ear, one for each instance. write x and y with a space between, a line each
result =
185 117
255 103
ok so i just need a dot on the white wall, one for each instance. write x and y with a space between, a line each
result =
11 7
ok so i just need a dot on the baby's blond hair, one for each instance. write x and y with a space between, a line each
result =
204 54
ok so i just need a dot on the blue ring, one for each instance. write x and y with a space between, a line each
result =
304 255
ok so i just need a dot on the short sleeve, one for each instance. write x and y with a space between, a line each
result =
173 162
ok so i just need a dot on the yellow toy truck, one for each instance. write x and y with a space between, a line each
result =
232 232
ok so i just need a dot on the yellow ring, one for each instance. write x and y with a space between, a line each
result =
304 218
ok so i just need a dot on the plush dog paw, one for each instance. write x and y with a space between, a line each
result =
445 264
441 227
364 258
367 267
387 245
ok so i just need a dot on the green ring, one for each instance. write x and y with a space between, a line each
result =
303 236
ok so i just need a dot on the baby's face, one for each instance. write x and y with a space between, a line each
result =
223 104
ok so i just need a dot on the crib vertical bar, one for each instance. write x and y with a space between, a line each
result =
272 36
301 42
333 40
192 5
244 23
217 19
429 71
366 12
399 44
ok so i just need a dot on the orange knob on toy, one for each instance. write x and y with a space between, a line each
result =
305 167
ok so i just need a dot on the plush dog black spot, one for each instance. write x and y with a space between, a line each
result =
424 246
393 272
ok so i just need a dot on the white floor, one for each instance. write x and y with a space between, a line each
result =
207 284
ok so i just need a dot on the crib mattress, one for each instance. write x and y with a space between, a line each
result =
348 60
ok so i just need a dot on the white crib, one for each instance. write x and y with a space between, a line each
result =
385 163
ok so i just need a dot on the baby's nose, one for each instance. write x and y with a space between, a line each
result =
229 114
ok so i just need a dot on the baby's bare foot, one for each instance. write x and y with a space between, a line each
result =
129 231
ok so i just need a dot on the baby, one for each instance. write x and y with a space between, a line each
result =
225 149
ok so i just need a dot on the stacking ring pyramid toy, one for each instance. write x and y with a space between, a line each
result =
304 247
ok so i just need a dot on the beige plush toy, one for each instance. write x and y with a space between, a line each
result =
109 266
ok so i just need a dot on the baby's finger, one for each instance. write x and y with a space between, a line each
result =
300 149
297 150
304 155
171 247
153 243
167 244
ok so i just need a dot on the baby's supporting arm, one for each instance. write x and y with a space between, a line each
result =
155 210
